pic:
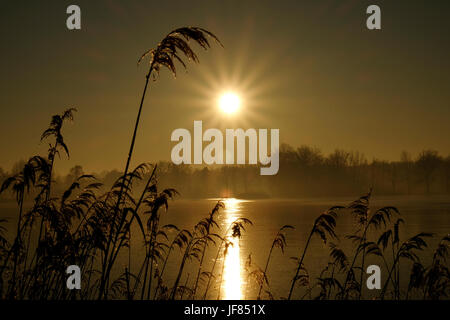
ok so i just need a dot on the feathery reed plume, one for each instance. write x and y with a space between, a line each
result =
323 226
278 242
235 228
54 130
164 55
339 263
196 245
406 250
206 225
360 209
436 279
180 241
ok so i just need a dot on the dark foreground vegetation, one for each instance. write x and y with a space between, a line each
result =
91 225
90 228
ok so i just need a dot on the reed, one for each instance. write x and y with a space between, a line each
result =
90 225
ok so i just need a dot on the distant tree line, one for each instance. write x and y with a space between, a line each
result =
304 171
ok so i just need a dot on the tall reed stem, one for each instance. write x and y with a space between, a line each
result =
300 264
105 270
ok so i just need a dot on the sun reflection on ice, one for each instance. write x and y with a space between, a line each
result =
232 285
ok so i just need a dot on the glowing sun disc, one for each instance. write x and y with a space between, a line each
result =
229 103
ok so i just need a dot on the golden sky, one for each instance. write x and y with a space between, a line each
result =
309 68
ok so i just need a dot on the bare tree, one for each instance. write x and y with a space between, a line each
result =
427 163
407 164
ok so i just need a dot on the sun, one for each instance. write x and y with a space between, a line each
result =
229 103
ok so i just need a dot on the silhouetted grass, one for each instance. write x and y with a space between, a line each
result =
90 228
74 228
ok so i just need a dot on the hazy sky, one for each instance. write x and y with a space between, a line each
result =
310 68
